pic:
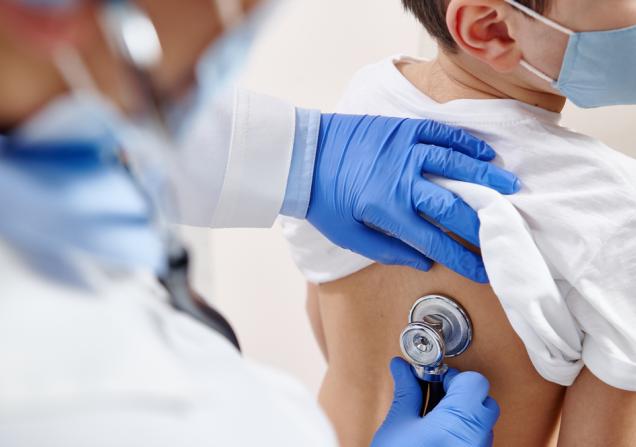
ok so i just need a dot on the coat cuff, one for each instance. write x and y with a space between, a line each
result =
259 160
301 174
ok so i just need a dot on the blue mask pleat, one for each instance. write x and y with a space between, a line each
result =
75 198
599 68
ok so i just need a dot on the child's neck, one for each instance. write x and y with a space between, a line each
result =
451 77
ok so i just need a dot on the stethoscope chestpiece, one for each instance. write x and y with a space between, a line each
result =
422 345
456 327
438 328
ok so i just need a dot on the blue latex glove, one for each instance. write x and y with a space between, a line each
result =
368 176
464 418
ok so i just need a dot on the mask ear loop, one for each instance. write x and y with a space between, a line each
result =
535 71
71 67
541 18
230 13
546 21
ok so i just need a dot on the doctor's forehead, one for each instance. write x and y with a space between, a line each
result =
594 15
246 4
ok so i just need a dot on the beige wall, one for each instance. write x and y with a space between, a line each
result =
310 51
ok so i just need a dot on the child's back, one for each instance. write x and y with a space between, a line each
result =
561 256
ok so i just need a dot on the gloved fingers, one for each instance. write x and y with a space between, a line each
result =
449 377
374 244
407 393
446 209
434 133
488 420
488 442
492 406
467 386
430 241
458 166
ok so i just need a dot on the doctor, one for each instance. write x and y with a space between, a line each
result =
94 353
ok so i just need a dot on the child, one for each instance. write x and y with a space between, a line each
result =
556 330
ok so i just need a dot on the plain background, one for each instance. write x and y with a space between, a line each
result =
307 53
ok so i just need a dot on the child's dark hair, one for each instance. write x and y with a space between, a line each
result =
432 14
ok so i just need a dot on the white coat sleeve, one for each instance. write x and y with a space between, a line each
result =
234 162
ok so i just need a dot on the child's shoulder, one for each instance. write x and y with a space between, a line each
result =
579 196
564 168
373 74
378 88
568 147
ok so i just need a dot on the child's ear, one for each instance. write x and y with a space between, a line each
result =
480 29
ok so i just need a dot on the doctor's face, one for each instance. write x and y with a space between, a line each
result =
186 28
29 36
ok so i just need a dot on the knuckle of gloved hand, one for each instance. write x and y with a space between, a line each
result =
491 408
478 380
374 215
449 162
441 208
431 247
417 153
431 127
448 207
435 159
469 381
370 213
457 135
483 172
494 410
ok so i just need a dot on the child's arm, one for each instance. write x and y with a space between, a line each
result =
597 415
315 319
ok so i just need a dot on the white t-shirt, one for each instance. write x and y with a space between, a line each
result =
560 254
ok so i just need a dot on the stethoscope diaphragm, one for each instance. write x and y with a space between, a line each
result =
456 327
438 327
422 345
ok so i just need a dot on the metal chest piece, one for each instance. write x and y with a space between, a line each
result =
439 327
457 329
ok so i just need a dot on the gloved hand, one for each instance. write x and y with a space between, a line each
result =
368 177
464 418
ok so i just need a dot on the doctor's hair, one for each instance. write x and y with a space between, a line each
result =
432 14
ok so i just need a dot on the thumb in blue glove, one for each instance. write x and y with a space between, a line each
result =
464 418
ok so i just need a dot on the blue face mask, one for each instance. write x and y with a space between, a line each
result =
599 67
66 193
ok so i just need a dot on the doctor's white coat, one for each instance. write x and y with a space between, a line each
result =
92 357
234 164
95 357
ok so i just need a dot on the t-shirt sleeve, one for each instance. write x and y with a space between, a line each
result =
604 303
318 259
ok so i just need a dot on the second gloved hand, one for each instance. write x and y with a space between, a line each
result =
464 418
369 193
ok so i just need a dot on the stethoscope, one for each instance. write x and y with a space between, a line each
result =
133 36
438 328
